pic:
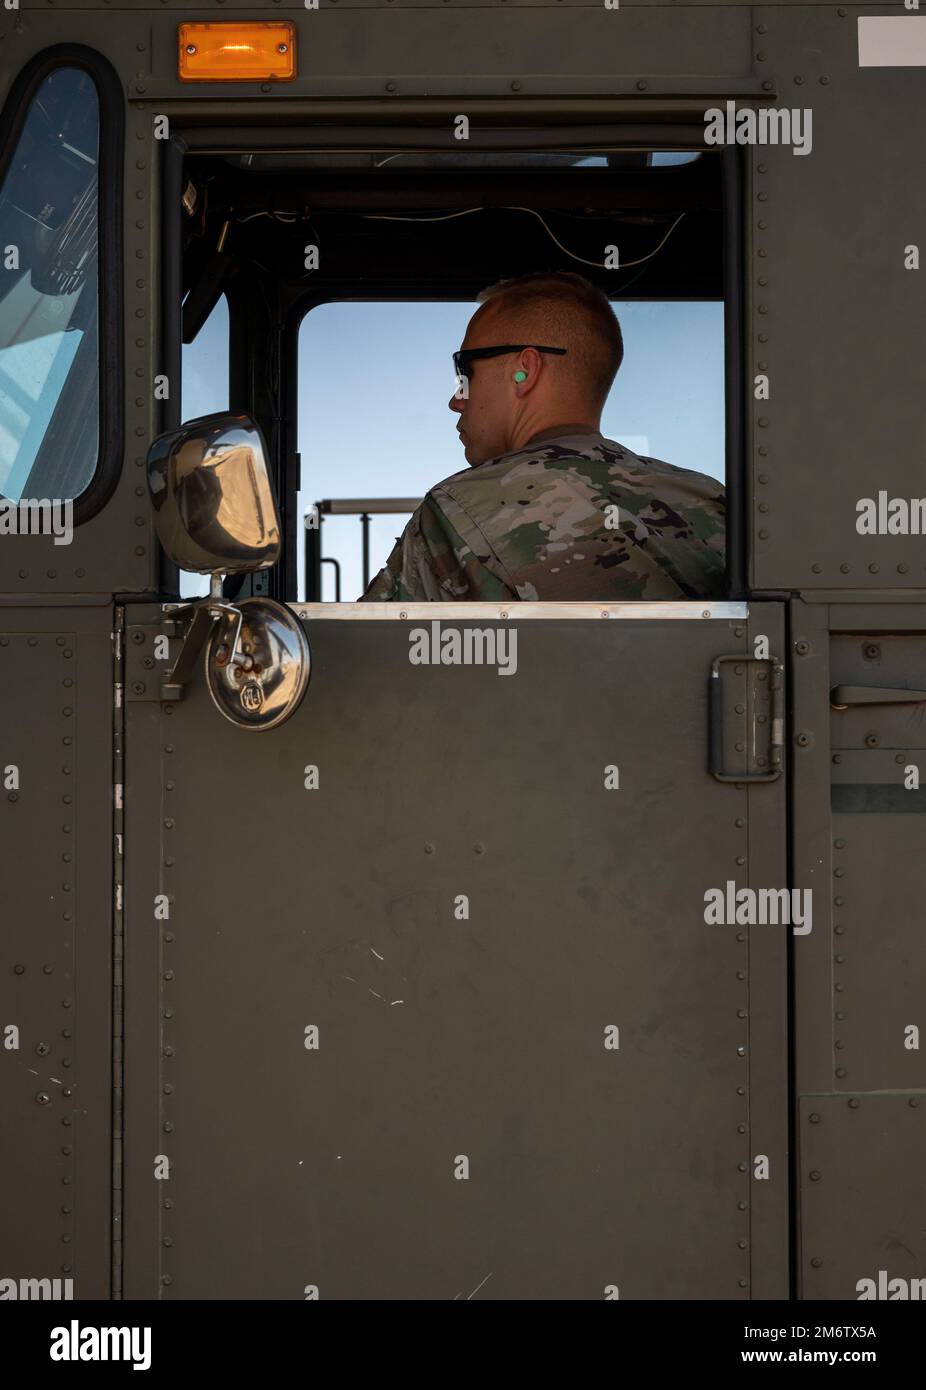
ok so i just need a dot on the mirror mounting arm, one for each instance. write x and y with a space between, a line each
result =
204 617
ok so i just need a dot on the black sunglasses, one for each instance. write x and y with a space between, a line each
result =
462 360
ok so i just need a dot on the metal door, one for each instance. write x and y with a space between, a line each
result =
444 1017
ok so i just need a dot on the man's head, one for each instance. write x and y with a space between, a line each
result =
499 412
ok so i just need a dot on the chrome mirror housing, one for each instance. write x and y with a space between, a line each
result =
214 508
215 513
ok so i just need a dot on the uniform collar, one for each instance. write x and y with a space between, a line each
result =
565 432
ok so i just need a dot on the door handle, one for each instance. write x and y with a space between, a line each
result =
842 696
776 721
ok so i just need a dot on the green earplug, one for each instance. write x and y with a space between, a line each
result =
520 376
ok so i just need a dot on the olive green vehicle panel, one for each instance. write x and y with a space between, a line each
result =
859 839
442 1038
590 1169
56 985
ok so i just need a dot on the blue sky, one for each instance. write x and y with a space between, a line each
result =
375 380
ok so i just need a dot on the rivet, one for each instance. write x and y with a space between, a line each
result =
816 569
841 1071
816 1262
854 1103
67 1150
814 1118
815 1176
43 1097
429 849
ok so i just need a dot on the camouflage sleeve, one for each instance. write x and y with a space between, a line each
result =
433 562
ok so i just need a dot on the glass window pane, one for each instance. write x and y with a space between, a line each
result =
375 380
49 295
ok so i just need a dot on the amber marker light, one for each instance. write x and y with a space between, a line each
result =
258 52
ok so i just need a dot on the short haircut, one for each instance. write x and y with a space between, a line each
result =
561 309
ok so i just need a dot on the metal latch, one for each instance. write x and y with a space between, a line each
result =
757 748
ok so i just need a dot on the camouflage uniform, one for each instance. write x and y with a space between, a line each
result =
531 525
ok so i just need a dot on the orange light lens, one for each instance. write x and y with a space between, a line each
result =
237 52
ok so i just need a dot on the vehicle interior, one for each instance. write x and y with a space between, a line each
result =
276 234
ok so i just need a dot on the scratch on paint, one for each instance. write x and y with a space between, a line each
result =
397 1001
379 996
479 1286
377 954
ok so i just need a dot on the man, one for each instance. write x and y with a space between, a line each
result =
549 508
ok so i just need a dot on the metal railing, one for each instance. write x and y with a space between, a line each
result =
364 507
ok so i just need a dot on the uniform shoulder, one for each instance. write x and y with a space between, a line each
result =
596 456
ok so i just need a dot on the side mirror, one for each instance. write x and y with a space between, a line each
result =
215 513
214 508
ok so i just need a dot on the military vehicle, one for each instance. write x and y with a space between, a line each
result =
330 974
